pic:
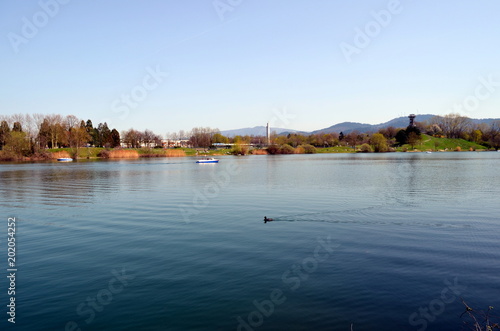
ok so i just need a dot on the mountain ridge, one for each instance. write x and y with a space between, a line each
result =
345 127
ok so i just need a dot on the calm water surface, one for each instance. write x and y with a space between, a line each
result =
379 242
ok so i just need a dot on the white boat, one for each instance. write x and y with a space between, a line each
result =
64 159
208 160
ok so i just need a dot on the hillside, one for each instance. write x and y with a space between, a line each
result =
255 131
345 127
430 143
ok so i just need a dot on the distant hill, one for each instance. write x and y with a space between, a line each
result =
255 131
345 127
485 120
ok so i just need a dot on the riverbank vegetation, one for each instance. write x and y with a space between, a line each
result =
45 137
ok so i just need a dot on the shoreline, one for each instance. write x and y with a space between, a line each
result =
51 159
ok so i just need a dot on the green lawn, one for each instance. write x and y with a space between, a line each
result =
189 151
92 152
336 149
430 143
83 152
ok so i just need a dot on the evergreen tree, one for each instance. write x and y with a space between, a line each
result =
115 138
44 137
90 131
104 135
4 133
401 137
17 127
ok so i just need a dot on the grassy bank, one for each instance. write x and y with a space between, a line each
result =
430 143
83 152
336 149
99 152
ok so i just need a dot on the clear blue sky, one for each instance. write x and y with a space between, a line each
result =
237 66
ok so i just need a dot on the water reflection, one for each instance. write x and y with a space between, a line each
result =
70 184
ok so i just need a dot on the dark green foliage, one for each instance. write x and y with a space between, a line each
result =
17 127
414 129
44 134
4 133
283 149
115 138
401 137
287 149
309 149
273 149
365 148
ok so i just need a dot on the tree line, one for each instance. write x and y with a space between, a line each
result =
447 126
31 134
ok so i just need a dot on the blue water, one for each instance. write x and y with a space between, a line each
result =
364 241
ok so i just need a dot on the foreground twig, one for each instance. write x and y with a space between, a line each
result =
474 315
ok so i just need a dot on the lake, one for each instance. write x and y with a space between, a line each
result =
358 241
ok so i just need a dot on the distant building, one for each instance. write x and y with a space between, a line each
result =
412 120
268 134
170 143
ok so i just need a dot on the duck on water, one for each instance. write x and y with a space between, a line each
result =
267 219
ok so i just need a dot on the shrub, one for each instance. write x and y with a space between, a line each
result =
273 149
283 149
175 153
287 149
309 149
365 148
458 149
123 154
379 142
8 156
299 150
259 152
41 156
239 149
61 154
104 154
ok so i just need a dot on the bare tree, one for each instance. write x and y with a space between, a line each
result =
148 137
352 138
202 137
18 118
78 136
453 125
54 122
132 138
31 129
71 121
38 120
492 135
184 135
